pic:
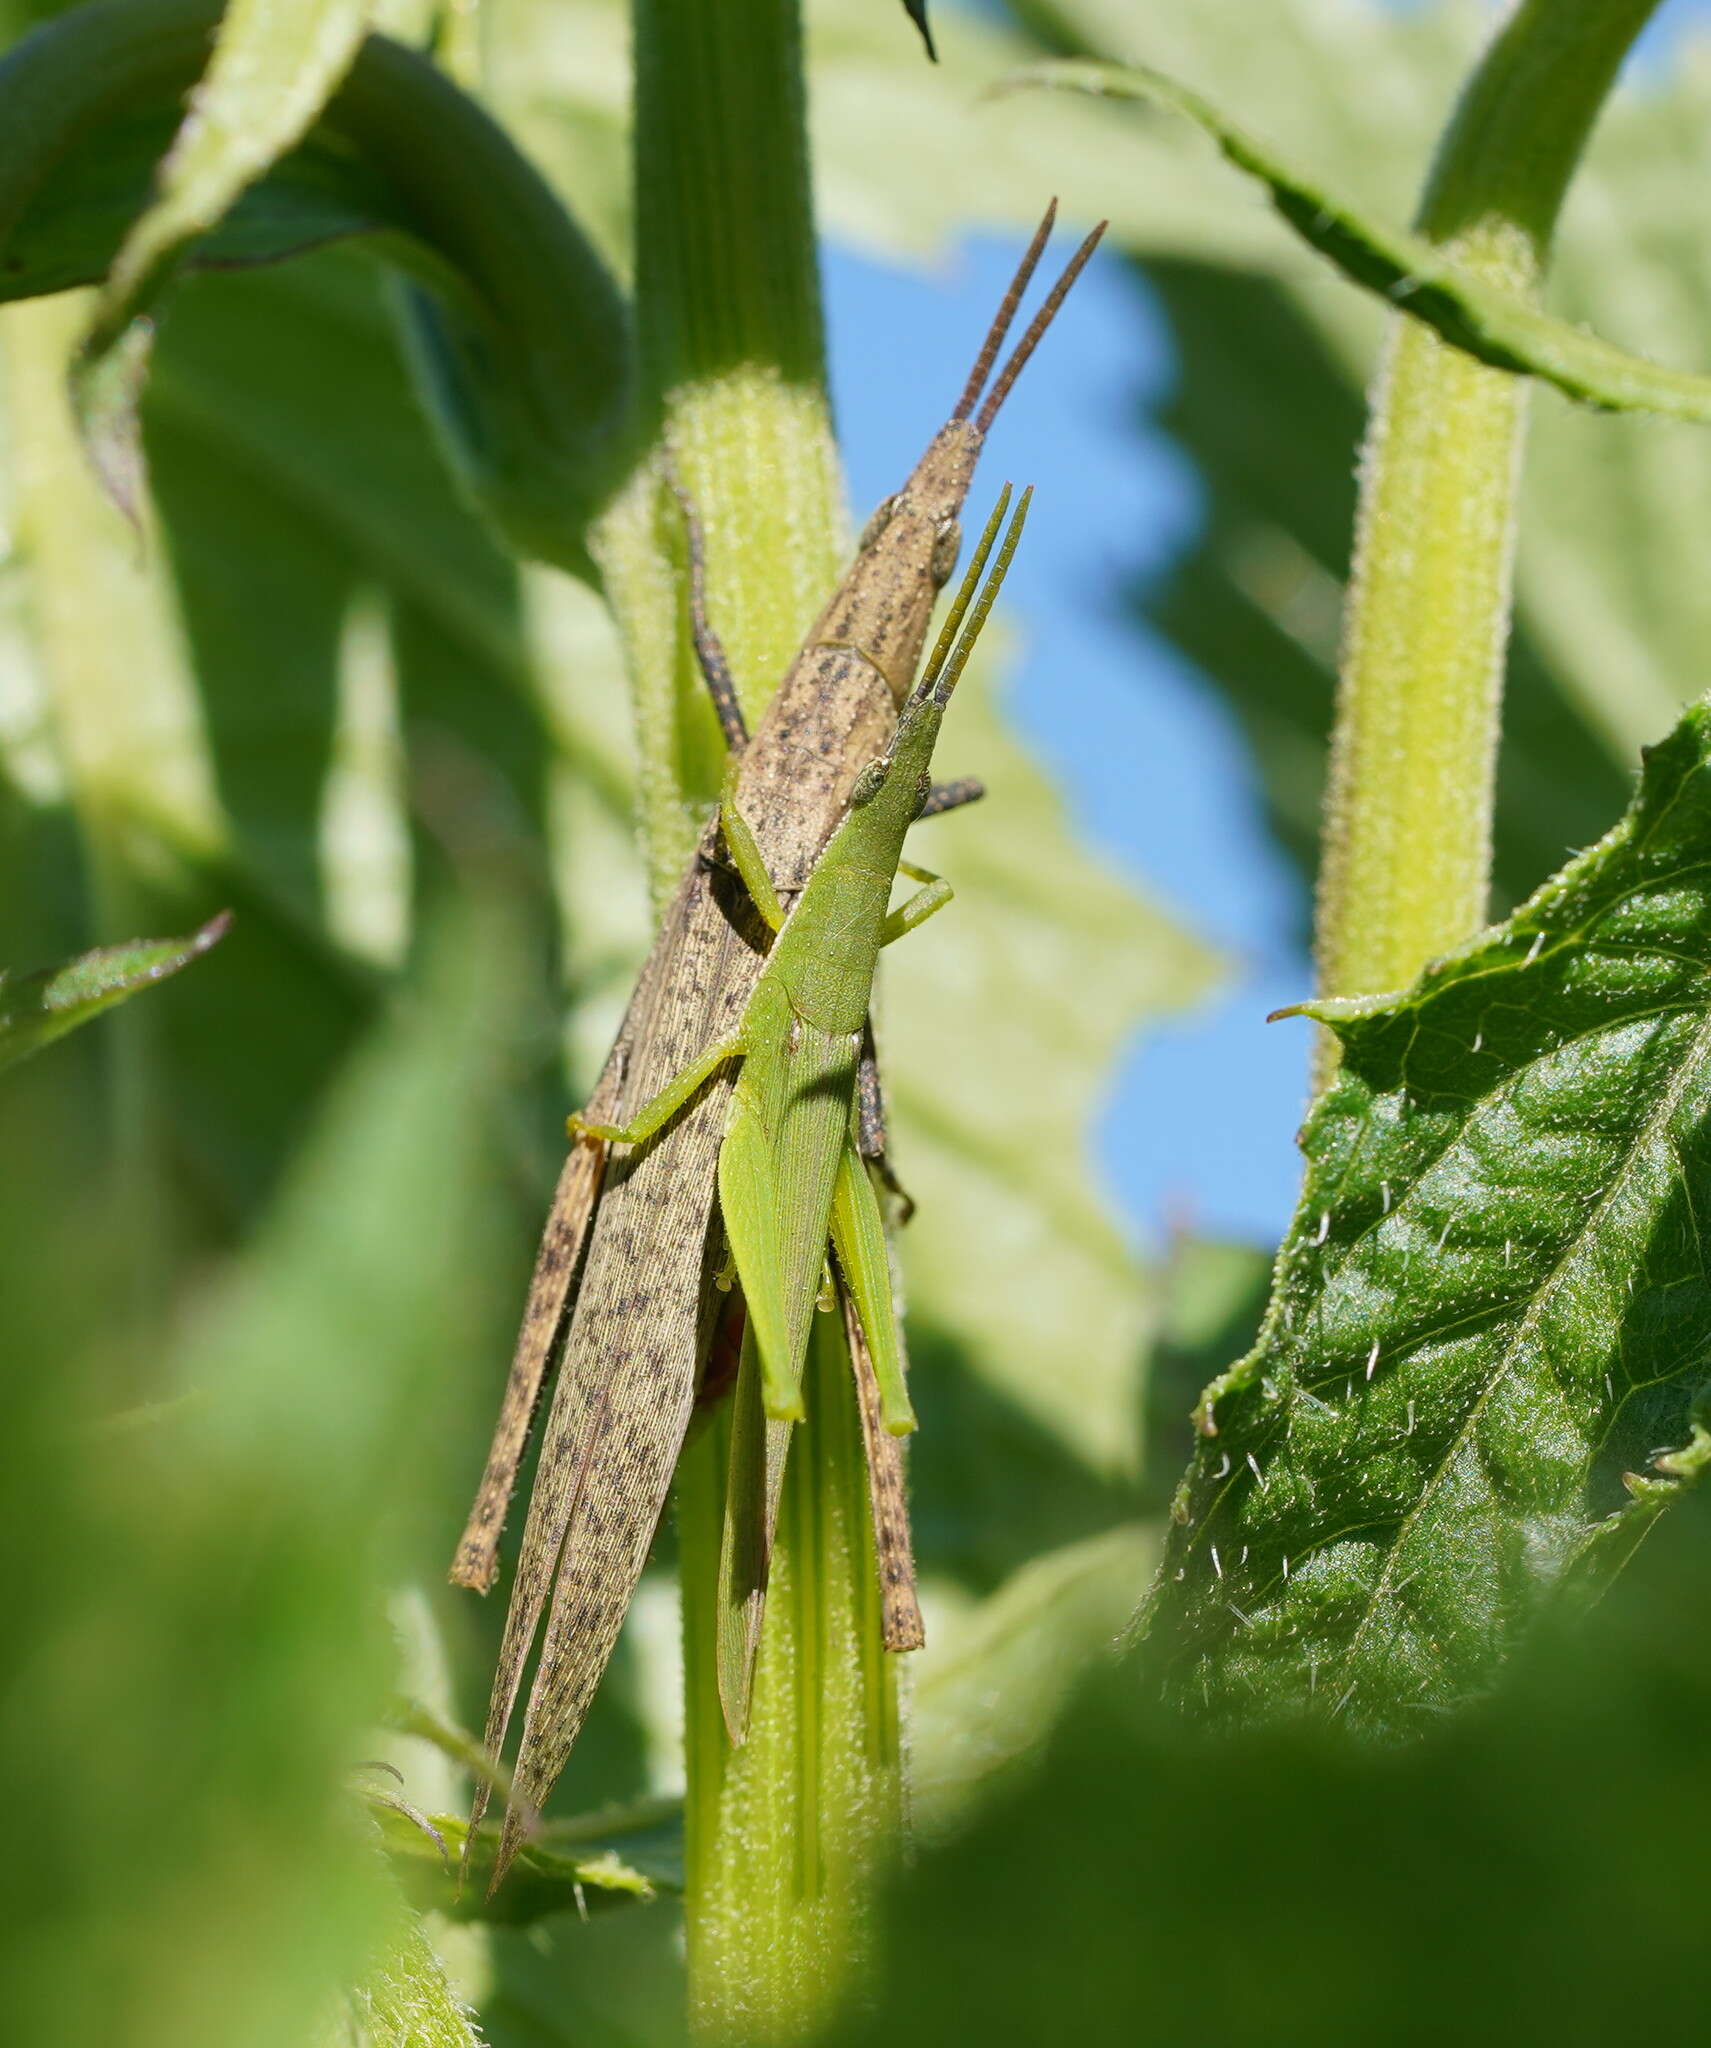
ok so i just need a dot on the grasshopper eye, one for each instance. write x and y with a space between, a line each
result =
947 545
867 784
923 790
877 524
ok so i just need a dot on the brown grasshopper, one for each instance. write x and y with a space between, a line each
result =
636 1232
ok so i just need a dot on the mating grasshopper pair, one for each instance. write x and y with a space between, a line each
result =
637 1234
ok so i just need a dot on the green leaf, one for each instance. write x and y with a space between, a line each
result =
275 64
203 1647
35 1009
624 1857
519 334
1491 324
1493 1307
1532 1871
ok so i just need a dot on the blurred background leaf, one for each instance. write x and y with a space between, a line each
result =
213 1520
1528 1872
35 1009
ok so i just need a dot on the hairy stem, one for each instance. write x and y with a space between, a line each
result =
733 385
1407 845
782 1834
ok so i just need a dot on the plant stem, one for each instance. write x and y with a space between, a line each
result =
1407 844
733 381
782 1835
785 1836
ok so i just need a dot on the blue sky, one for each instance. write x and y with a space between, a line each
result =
1202 1117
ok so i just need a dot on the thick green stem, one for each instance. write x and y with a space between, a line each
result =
783 1834
733 383
1408 820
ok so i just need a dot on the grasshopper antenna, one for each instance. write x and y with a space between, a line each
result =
939 677
1037 326
1006 313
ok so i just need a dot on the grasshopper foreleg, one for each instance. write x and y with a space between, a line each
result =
746 854
665 1105
937 893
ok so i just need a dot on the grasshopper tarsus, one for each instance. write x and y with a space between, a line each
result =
917 13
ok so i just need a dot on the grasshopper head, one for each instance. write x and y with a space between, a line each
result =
902 775
924 517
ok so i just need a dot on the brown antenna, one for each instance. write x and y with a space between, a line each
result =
1036 327
1006 313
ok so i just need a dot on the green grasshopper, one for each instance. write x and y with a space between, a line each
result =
790 1167
630 1244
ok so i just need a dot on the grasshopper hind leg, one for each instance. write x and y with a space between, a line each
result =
871 1140
710 655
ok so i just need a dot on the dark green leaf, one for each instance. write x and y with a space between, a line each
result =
35 1009
1532 1871
1493 1308
274 65
521 335
624 1857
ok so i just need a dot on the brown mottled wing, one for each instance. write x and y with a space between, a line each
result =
893 1544
476 1564
637 1330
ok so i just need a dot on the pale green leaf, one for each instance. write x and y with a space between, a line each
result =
275 64
1491 1312
1491 324
1612 613
520 337
997 1672
35 1009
